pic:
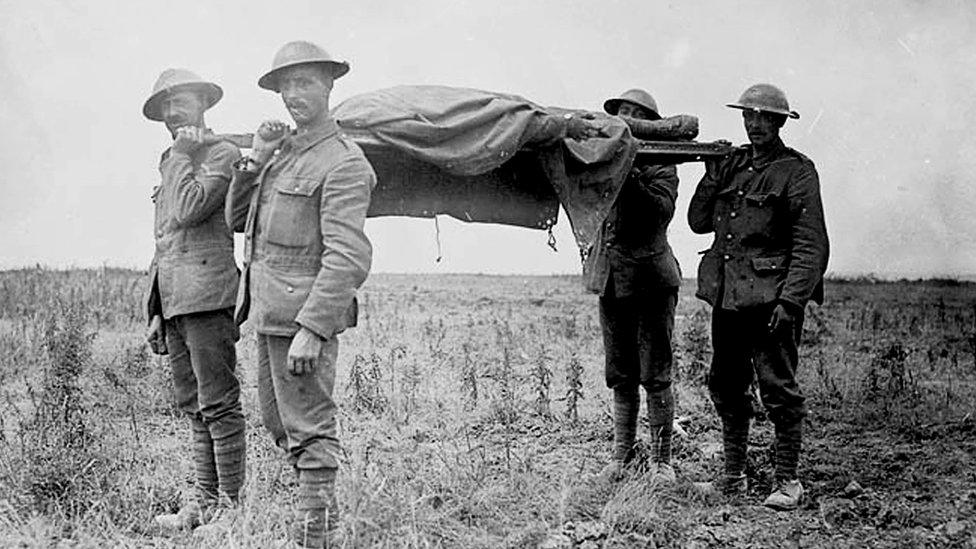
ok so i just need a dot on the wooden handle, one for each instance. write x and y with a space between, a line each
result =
242 140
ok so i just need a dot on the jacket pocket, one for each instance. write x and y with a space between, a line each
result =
708 276
759 209
294 216
759 199
769 265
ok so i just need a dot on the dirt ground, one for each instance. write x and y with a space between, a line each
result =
474 414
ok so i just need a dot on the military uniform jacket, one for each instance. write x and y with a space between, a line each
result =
631 249
193 267
305 252
770 238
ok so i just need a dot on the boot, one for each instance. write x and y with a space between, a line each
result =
318 510
223 520
204 499
626 405
229 454
732 487
788 492
786 496
187 518
789 440
735 439
660 415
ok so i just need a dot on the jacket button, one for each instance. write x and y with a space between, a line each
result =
733 214
740 193
728 236
289 289
726 257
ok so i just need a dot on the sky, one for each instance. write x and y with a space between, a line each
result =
886 91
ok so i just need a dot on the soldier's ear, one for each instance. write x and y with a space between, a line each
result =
327 78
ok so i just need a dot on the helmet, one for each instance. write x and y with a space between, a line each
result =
174 80
299 53
635 96
764 98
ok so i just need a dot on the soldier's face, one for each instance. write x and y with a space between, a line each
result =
633 111
183 108
762 127
305 90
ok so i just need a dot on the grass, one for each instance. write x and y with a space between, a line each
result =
474 414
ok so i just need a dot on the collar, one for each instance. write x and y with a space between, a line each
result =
301 142
772 154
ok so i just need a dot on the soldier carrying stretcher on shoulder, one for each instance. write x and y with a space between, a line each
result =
191 290
766 262
300 199
636 275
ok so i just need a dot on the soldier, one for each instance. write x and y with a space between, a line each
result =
301 200
192 282
766 262
636 275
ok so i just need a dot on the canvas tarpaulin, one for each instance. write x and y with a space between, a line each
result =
486 157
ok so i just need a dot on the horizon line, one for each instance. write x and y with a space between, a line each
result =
830 275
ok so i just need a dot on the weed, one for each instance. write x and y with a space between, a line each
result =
504 407
542 376
469 377
574 388
888 377
64 457
365 390
412 378
695 348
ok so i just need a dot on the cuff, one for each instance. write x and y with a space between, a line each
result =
247 165
791 307
314 330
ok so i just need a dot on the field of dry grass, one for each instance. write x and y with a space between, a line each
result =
473 414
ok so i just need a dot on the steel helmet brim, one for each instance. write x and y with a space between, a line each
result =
787 113
612 106
270 79
211 92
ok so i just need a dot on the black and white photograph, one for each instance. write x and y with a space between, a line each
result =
553 274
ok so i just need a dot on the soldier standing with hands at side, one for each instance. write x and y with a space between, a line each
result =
766 262
301 201
192 281
636 275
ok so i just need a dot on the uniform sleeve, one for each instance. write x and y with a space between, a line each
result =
545 129
152 301
660 184
201 192
242 186
347 253
810 247
701 209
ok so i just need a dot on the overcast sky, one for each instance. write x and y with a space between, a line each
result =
886 91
